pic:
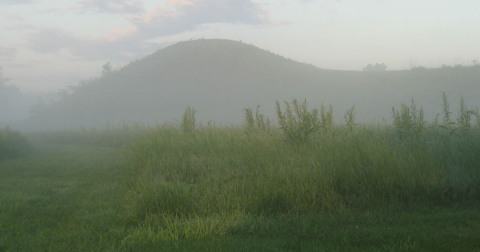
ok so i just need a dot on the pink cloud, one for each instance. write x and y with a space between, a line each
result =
182 15
119 34
173 17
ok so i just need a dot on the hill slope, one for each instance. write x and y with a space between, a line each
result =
219 78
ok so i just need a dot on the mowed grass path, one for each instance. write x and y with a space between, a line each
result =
72 198
64 198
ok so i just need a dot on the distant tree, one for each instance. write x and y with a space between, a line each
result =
418 68
107 69
414 66
375 68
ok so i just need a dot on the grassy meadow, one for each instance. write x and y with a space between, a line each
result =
302 183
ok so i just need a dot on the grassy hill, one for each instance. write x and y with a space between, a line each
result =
220 78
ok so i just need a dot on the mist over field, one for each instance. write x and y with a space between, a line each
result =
220 78
239 125
122 62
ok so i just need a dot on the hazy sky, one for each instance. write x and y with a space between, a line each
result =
49 44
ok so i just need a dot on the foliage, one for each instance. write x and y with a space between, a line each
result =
409 121
221 170
257 122
477 116
298 124
107 69
463 123
218 186
13 144
185 175
249 120
447 122
464 117
349 118
375 68
326 117
188 120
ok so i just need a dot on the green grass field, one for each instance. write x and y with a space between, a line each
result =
72 198
302 185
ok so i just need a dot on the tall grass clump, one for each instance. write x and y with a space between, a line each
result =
13 144
477 116
464 117
349 118
257 122
188 120
447 123
298 124
326 117
463 124
223 171
305 165
409 120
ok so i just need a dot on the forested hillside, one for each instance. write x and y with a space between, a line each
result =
220 78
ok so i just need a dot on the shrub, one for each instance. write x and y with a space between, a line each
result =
188 120
349 117
464 117
447 123
463 124
326 118
300 125
477 116
257 123
13 144
409 121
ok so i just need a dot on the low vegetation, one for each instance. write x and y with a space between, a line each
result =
304 184
214 176
13 144
122 136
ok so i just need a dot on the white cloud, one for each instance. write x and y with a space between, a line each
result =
182 15
52 40
115 6
174 17
18 1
